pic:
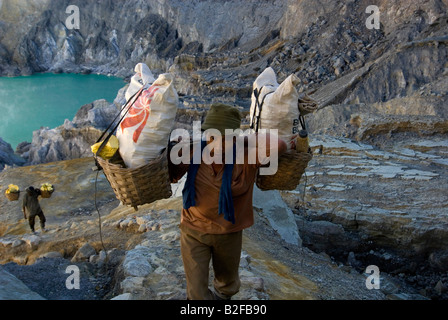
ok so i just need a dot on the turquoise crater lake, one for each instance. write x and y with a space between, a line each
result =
46 100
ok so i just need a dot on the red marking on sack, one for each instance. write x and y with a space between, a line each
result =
139 113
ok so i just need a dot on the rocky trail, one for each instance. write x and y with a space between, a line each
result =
309 246
150 267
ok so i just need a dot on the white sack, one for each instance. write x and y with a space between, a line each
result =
146 129
143 76
280 108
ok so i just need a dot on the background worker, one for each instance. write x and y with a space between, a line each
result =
31 204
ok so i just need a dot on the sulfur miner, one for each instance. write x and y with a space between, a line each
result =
31 205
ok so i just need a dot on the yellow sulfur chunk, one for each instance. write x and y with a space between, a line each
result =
47 187
12 188
109 149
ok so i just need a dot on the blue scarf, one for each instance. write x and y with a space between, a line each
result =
225 194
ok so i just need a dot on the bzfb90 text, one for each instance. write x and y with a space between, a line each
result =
245 309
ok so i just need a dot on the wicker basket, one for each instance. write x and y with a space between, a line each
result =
138 186
291 166
12 196
46 194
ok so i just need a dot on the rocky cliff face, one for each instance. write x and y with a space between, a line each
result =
73 139
114 36
370 84
217 48
7 156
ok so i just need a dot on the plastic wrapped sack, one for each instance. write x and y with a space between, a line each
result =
145 131
275 106
143 76
108 150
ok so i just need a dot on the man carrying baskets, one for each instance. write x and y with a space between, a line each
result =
31 204
217 207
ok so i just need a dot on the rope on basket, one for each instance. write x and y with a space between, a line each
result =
98 168
99 218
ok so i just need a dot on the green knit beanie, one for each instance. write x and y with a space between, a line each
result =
222 117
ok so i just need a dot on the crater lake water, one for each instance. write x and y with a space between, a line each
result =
45 100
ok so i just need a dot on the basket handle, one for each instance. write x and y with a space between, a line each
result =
302 122
259 107
126 106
